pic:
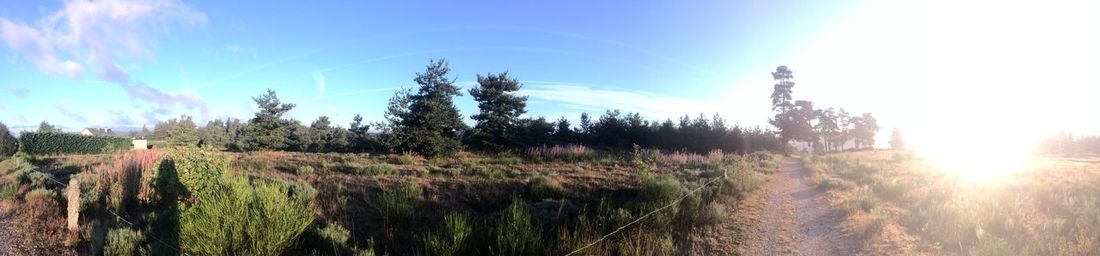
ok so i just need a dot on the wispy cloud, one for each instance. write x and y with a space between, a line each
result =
95 35
345 94
19 92
319 78
584 98
65 111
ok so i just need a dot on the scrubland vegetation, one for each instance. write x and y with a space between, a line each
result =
214 203
901 203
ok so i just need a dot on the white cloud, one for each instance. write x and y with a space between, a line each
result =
584 98
319 78
96 35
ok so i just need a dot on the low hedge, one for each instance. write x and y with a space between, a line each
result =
37 143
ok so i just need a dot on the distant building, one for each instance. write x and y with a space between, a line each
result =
140 144
96 132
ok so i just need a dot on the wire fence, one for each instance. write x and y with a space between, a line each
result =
124 220
674 202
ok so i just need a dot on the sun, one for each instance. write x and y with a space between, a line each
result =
984 155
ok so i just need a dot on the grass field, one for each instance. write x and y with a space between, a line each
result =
903 203
548 203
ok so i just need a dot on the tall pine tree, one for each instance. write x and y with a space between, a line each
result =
427 122
496 128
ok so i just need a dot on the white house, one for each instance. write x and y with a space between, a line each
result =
96 132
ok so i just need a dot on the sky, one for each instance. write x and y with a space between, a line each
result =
927 67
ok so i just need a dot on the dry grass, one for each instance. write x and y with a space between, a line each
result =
477 186
1051 208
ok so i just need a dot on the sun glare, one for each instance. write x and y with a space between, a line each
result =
984 158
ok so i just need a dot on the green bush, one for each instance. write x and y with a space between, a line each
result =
123 241
334 233
655 193
475 169
516 232
40 192
38 143
830 183
377 169
398 204
305 171
543 188
403 159
9 190
20 162
449 239
8 143
197 170
238 217
40 179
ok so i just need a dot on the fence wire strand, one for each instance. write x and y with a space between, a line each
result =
128 222
674 202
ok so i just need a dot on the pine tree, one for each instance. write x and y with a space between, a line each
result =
181 132
267 130
427 122
500 110
47 127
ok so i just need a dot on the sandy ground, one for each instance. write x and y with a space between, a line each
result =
785 217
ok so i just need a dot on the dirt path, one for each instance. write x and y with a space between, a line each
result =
8 237
785 217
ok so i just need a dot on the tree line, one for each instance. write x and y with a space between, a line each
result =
1066 143
827 129
427 122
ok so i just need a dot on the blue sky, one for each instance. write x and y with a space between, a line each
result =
661 58
80 63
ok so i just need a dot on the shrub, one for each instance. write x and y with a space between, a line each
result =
37 143
510 160
475 169
40 179
402 159
236 216
582 233
8 143
125 181
830 183
640 241
334 233
20 162
9 190
123 241
378 169
95 232
544 187
655 193
41 224
862 200
40 192
197 170
305 171
398 204
569 153
516 232
449 239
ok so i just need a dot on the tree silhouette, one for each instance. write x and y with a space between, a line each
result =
500 111
896 141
